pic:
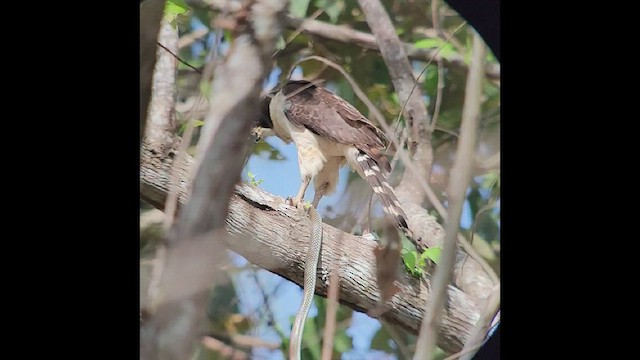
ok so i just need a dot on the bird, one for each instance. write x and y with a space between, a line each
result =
328 133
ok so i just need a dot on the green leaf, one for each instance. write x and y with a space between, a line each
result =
264 148
410 260
198 123
447 51
432 253
173 8
205 87
179 3
381 340
298 8
342 342
490 179
331 7
490 57
281 43
428 43
483 247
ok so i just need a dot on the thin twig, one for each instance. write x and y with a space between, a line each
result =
457 189
172 199
297 31
393 332
425 69
436 110
270 316
332 310
192 37
252 341
334 282
179 59
223 349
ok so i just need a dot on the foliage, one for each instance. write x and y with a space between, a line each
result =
416 263
174 9
253 180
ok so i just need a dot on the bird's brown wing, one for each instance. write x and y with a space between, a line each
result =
333 118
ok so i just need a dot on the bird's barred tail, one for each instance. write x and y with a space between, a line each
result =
378 182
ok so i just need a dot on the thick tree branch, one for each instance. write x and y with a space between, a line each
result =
161 113
150 16
345 34
274 236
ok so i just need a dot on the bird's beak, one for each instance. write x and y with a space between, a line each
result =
256 134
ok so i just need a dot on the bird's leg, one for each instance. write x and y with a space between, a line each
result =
319 193
298 200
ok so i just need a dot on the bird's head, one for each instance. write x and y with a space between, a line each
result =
263 126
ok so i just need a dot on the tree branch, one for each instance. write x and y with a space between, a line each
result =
274 236
345 34
161 113
409 191
233 106
197 240
458 185
150 16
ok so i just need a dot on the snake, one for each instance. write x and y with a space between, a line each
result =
310 266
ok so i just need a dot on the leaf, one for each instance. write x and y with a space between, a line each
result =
331 7
198 123
380 341
428 43
205 87
179 3
431 80
281 43
483 248
263 147
342 342
447 51
298 8
410 259
173 8
490 179
432 253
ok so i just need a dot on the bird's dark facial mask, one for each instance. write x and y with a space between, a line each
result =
263 121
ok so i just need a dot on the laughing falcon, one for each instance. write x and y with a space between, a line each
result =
328 132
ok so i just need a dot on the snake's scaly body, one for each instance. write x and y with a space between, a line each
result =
310 266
